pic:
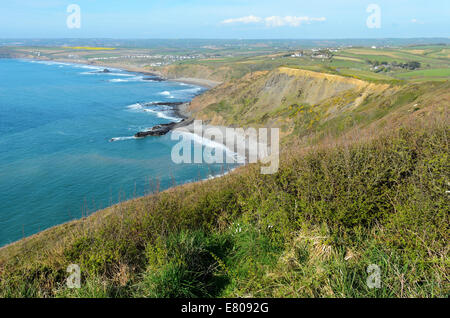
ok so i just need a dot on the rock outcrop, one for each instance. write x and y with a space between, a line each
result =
162 129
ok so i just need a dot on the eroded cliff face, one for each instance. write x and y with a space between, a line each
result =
262 96
312 87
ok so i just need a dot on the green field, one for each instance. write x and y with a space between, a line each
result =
430 74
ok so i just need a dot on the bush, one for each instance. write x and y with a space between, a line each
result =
192 267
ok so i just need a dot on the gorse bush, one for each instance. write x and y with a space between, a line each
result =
188 266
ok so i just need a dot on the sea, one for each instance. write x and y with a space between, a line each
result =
66 142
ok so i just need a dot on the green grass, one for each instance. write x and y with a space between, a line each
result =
364 75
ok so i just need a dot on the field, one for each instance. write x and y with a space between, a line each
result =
349 62
431 74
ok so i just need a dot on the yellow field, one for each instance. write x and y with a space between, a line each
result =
372 52
90 48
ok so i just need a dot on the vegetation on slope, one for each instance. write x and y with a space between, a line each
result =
349 193
310 230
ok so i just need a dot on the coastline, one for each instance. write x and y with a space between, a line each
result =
205 83
180 111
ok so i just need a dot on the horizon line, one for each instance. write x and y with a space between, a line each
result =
234 39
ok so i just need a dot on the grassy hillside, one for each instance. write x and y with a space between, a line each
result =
349 62
363 180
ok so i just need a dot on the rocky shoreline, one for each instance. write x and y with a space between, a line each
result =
153 78
180 110
163 129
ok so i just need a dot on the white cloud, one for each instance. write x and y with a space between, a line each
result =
416 21
246 20
275 21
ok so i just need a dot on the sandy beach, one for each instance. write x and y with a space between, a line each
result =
234 140
196 81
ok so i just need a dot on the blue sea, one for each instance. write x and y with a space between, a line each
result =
56 159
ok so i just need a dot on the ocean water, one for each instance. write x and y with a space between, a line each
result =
56 159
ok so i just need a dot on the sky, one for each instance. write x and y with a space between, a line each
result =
224 19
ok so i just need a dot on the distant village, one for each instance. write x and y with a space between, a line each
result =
326 53
159 59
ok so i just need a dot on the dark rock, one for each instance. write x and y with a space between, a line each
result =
163 104
163 129
154 79
158 130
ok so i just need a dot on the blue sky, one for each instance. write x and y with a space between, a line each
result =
238 19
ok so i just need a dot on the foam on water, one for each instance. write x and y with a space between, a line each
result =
167 94
162 114
107 74
131 79
136 106
122 138
160 111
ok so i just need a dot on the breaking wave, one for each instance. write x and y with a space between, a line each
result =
122 138
131 79
208 143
